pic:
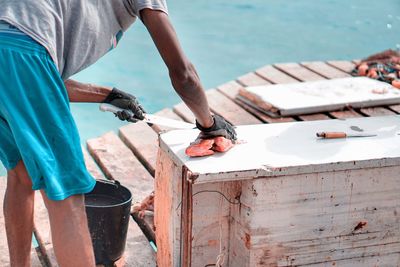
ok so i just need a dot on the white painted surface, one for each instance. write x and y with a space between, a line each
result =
326 95
292 148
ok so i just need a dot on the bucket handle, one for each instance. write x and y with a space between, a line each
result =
110 182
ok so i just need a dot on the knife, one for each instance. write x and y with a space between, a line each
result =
336 135
153 119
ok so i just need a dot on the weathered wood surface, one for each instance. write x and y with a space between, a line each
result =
275 76
291 219
323 218
222 105
167 113
167 184
142 140
299 72
184 112
231 90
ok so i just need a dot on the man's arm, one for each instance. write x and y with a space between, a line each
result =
82 92
184 77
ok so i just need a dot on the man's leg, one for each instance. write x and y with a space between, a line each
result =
70 233
18 215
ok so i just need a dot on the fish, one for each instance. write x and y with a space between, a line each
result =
207 147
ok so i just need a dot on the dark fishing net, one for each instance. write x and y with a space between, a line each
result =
383 66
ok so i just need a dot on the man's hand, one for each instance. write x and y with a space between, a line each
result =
128 103
220 128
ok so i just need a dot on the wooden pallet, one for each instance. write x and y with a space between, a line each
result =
130 156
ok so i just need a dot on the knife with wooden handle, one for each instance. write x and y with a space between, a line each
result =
337 135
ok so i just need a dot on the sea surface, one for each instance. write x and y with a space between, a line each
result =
227 38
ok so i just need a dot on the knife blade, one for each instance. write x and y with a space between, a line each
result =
336 135
151 118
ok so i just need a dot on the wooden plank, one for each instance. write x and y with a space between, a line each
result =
344 114
167 113
184 112
138 251
325 70
231 89
222 105
314 117
168 191
91 165
395 108
119 163
376 111
252 79
274 75
143 142
323 217
343 65
299 72
4 256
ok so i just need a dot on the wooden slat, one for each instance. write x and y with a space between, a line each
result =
377 111
167 113
344 114
4 256
343 65
314 117
91 165
138 252
395 108
143 142
274 75
325 70
184 112
231 111
119 163
252 79
299 72
231 89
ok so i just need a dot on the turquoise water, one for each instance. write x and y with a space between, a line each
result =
227 38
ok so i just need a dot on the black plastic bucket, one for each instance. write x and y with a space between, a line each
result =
108 210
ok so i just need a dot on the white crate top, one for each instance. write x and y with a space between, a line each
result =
292 148
326 95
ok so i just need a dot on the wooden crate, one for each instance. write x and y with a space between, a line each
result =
283 198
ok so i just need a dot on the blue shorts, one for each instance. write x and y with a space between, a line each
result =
36 124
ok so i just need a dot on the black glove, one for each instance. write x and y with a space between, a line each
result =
220 128
132 110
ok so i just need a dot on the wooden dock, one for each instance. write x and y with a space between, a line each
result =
129 156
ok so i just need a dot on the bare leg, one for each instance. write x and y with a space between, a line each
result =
70 233
18 214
